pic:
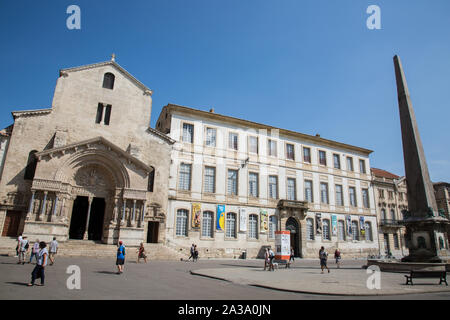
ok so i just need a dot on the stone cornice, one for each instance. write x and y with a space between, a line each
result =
171 108
145 89
161 135
25 113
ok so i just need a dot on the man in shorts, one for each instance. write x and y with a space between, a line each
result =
53 250
120 261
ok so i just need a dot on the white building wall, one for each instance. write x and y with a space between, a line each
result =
223 158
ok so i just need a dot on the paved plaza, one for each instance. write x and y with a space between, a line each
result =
181 280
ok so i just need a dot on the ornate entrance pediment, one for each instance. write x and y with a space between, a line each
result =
292 208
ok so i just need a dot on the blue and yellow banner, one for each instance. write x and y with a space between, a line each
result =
221 217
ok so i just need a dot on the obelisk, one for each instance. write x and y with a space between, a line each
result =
426 234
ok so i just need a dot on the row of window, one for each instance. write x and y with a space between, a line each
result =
401 195
209 186
211 137
207 225
341 231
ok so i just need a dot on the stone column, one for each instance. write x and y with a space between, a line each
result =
143 212
123 211
133 214
86 236
115 211
55 204
44 202
30 207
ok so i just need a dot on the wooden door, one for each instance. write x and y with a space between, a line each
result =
11 225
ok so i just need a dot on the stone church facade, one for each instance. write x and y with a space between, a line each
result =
89 167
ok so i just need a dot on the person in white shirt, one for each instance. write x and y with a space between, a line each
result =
34 250
53 250
38 271
23 248
19 239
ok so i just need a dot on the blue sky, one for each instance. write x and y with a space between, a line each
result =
304 65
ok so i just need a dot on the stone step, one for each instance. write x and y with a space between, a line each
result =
87 248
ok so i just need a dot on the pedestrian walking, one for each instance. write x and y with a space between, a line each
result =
34 251
38 271
141 253
53 250
337 256
271 257
19 239
192 252
292 255
195 253
323 256
266 259
23 249
120 261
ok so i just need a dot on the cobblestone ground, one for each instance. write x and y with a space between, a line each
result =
156 280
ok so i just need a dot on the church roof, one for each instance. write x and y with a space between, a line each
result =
109 63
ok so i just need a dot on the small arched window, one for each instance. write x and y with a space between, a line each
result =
253 226
230 225
31 166
182 222
108 80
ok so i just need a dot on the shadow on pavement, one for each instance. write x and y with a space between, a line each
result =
107 272
19 283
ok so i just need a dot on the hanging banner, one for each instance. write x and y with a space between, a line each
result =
362 226
196 208
242 219
282 245
318 223
264 223
349 225
334 224
220 217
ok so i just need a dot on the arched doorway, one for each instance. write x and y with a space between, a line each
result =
94 185
293 226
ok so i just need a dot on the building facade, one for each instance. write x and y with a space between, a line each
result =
391 199
233 183
89 167
442 193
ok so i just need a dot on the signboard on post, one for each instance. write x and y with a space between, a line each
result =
282 245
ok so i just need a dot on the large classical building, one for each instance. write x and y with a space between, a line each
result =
88 167
234 182
390 200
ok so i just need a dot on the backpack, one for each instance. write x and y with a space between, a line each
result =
271 254
27 245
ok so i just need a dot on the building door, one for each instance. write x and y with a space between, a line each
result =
95 229
11 225
79 217
152 232
293 227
